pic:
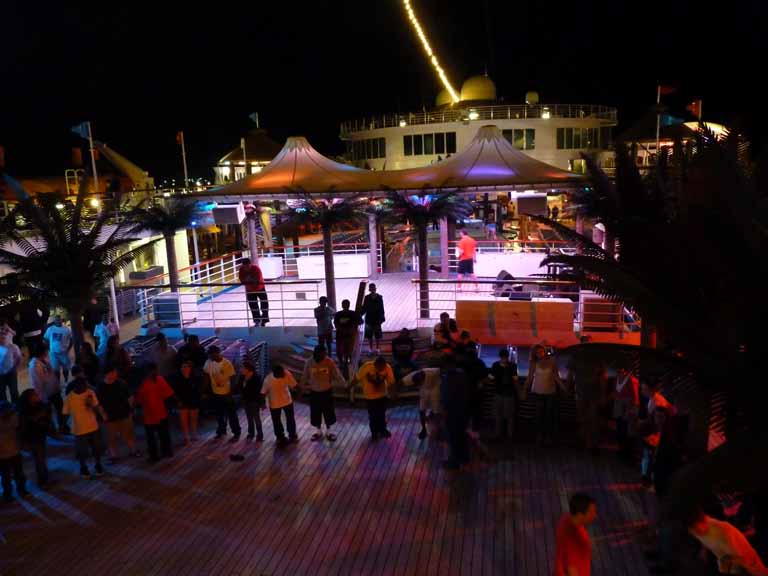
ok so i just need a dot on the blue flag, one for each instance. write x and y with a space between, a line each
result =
81 130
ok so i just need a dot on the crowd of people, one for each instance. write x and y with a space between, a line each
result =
95 400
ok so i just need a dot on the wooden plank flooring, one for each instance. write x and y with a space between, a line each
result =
353 507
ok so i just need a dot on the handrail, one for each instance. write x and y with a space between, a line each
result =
517 280
461 112
215 284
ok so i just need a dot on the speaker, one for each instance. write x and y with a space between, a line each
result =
229 214
503 290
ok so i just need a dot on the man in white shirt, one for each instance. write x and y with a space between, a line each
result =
735 554
59 340
220 372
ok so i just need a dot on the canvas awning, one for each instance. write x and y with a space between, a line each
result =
488 162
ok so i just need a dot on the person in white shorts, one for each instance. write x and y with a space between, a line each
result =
59 340
428 380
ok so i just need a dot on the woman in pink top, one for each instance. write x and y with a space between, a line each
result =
152 394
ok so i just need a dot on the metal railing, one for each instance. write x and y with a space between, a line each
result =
291 254
206 305
499 246
590 312
483 113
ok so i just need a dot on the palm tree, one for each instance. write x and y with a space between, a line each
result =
420 211
330 213
700 290
62 254
166 220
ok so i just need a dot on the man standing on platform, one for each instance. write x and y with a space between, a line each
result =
255 291
467 253
573 550
373 310
324 317
346 322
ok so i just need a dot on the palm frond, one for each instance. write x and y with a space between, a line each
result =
583 243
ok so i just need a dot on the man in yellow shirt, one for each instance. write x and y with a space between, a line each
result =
376 377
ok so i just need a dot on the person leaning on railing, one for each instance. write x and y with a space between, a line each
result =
255 291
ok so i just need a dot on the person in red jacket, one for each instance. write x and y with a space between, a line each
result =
255 291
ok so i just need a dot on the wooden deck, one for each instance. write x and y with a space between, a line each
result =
354 507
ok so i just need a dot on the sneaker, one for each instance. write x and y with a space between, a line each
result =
85 474
282 442
99 471
293 440
249 437
22 492
260 438
316 436
234 439
331 437
219 436
422 434
386 434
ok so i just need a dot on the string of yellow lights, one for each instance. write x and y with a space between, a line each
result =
428 49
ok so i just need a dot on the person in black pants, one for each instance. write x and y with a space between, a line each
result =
253 399
255 291
373 310
454 396
36 424
277 388
152 394
476 372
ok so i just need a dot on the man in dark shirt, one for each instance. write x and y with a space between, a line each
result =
346 322
504 373
454 393
116 400
476 371
402 354
373 310
193 352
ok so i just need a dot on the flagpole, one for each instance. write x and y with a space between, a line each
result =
184 160
658 119
112 293
245 160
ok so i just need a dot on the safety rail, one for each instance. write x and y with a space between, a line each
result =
591 313
500 246
481 113
290 254
291 302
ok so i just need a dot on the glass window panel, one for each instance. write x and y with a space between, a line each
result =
408 145
530 138
569 138
507 134
440 143
518 139
450 142
429 147
560 138
418 145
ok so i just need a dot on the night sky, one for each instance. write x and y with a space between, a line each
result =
141 71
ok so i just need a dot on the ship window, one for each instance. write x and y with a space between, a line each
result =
429 147
418 145
382 148
569 138
560 138
369 148
577 137
530 138
450 142
408 145
507 135
440 143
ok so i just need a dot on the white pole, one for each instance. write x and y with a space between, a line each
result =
112 293
197 254
658 119
184 160
245 159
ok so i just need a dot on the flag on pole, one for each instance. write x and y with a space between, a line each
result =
180 138
81 130
242 144
695 108
666 90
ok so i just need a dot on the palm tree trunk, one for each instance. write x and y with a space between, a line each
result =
330 273
173 268
78 331
421 230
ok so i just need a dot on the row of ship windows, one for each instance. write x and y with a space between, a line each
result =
445 142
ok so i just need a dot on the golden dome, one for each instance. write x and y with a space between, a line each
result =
443 98
478 88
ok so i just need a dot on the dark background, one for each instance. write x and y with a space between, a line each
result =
141 71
